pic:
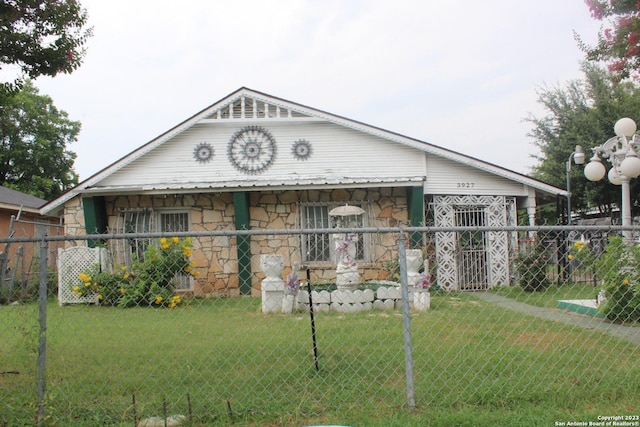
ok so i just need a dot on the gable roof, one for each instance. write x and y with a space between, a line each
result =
16 200
249 104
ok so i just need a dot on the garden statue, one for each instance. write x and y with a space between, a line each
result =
272 285
414 262
347 276
421 295
292 286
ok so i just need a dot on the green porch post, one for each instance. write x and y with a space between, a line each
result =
95 217
415 206
243 245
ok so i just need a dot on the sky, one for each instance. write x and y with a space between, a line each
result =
460 74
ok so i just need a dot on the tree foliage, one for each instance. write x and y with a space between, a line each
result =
582 113
41 37
34 136
619 40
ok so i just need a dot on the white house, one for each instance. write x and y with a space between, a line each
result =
252 160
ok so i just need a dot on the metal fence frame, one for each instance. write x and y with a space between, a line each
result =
403 238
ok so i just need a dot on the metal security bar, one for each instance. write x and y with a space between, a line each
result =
473 254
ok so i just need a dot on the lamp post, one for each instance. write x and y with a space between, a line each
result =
578 157
622 152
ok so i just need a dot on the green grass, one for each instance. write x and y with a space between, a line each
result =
475 364
550 296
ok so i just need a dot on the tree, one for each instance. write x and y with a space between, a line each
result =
618 42
41 37
582 113
34 136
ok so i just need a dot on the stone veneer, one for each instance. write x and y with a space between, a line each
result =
216 257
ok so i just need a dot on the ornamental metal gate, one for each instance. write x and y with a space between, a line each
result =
472 264
473 260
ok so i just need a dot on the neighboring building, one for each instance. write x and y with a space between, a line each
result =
20 217
254 161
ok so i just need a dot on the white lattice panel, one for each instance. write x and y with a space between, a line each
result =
498 247
500 212
447 277
72 262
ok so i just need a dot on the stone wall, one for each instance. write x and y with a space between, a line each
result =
74 218
216 257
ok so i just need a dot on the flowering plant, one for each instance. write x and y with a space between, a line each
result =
425 281
619 294
293 282
148 282
532 269
619 40
580 253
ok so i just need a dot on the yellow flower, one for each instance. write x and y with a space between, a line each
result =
175 240
158 299
122 291
570 257
625 282
87 284
84 277
186 252
76 288
176 299
164 244
100 297
125 276
171 304
579 245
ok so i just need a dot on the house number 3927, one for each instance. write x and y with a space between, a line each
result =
466 184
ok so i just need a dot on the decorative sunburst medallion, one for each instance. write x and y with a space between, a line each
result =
252 149
301 149
203 152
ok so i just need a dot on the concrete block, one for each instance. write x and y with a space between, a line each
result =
421 300
342 297
322 297
321 308
303 297
389 293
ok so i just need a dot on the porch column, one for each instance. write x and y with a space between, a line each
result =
95 217
243 243
415 207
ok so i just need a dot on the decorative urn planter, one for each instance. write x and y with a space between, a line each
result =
272 285
414 262
421 299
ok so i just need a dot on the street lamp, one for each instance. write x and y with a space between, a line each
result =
622 153
578 157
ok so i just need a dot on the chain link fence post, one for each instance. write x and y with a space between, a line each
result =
42 333
404 289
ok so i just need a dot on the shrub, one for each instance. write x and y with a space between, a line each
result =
582 255
620 290
531 267
147 282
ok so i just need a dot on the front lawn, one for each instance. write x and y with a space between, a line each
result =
223 362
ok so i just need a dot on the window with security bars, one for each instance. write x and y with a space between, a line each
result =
320 247
148 221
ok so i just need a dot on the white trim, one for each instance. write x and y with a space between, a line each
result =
314 114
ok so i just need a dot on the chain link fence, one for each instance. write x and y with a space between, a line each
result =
282 326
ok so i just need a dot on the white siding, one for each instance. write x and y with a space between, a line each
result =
448 177
337 152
